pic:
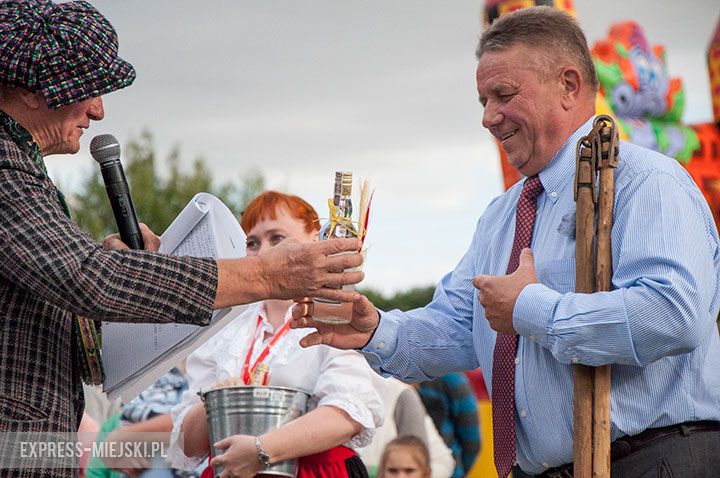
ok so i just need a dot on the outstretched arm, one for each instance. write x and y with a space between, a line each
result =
291 270
416 345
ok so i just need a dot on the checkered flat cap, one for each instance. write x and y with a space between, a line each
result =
66 51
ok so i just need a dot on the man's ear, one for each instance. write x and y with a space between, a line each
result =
31 100
571 83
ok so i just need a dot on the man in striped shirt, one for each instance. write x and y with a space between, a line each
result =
537 84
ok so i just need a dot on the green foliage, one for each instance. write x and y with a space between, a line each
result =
158 198
407 300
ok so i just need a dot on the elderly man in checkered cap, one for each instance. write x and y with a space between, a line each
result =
56 63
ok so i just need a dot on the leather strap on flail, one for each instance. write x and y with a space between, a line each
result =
598 150
596 160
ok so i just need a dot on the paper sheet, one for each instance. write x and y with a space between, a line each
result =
135 355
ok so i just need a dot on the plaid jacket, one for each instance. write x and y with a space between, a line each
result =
50 269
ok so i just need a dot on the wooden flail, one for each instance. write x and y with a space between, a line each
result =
597 158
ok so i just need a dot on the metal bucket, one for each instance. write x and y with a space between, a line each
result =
253 411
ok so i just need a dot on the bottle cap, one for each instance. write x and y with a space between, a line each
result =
346 183
337 191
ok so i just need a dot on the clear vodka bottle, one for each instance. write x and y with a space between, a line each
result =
338 226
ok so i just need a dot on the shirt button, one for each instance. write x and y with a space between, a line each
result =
546 465
553 194
381 345
523 413
517 360
532 337
574 359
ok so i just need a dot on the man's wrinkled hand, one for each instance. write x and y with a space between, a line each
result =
317 269
355 335
151 241
498 294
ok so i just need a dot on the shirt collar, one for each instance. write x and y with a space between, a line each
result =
554 177
249 323
262 312
21 137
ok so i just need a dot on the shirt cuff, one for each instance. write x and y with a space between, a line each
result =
383 343
533 312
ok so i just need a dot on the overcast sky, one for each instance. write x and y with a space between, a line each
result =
386 89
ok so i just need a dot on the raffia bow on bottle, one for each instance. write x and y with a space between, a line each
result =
360 231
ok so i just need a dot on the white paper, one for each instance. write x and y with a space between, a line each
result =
135 355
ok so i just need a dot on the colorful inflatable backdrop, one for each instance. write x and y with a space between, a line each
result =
636 89
496 8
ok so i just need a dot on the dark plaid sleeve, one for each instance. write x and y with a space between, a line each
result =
42 251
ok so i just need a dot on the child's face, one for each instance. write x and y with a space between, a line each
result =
401 464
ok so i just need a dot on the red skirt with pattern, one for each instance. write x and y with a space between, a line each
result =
332 463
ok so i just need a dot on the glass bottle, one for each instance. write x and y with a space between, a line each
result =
338 226
325 230
259 375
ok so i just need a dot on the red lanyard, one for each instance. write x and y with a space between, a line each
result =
247 371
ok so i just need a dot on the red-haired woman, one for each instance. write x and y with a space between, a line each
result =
344 406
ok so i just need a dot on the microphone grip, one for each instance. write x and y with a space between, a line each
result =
122 207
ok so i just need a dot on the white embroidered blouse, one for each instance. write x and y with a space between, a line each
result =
339 378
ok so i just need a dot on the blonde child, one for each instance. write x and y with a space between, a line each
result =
405 457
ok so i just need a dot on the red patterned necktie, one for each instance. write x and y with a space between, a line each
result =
503 376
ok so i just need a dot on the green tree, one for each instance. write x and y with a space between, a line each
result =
158 198
405 300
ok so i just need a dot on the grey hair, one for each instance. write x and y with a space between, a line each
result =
555 33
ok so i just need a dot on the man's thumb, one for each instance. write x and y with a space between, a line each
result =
527 259
363 305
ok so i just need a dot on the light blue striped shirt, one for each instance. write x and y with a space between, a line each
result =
657 327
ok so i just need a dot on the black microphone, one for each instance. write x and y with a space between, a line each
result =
105 149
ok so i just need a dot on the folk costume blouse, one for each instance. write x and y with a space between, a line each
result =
339 378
